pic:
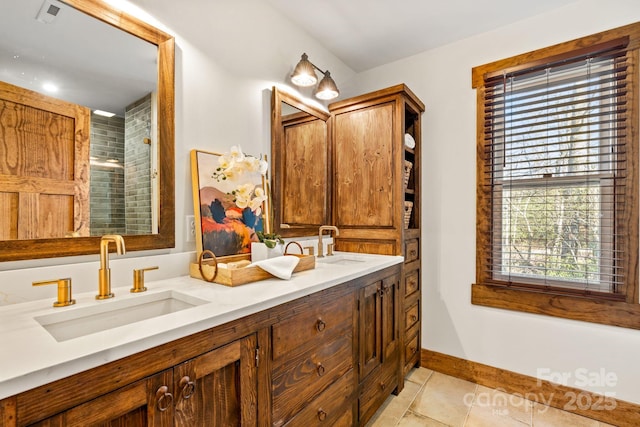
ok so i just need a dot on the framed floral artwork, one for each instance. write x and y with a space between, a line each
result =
229 200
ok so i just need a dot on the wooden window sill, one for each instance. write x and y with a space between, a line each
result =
606 312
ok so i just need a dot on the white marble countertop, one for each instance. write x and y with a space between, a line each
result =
30 356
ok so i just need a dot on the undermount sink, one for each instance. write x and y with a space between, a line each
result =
106 315
341 259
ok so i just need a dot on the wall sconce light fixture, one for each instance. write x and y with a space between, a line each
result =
305 75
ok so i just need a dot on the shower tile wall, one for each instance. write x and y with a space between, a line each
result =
107 205
137 170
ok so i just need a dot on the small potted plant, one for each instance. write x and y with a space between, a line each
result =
270 245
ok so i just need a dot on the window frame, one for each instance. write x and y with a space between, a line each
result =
594 307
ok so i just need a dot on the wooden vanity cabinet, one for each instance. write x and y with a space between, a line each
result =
205 379
412 315
313 360
369 154
378 345
147 402
329 358
219 387
376 206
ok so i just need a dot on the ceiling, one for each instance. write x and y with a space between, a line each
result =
361 33
33 53
367 33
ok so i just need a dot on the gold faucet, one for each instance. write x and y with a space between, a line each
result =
104 274
322 229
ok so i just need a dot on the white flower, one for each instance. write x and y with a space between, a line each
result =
232 167
241 202
236 153
263 166
229 173
225 162
256 203
253 164
245 190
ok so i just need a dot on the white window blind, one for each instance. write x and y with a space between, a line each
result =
555 153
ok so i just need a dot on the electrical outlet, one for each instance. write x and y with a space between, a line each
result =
190 230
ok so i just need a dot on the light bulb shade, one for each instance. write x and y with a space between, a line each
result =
304 74
327 88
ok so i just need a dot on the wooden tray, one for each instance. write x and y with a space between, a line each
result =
236 274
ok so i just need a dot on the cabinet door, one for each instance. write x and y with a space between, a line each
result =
218 388
390 316
364 168
147 402
369 329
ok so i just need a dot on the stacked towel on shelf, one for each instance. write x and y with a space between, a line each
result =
409 141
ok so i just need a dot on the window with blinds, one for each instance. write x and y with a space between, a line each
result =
555 172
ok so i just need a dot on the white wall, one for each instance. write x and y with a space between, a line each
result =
514 341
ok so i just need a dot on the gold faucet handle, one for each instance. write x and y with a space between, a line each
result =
64 291
330 249
138 279
311 249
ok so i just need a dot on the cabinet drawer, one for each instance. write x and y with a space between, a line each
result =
411 283
411 353
376 388
334 407
298 381
411 347
324 319
411 250
412 315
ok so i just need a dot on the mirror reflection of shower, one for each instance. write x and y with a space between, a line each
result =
121 171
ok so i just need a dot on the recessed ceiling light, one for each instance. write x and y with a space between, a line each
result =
103 113
50 87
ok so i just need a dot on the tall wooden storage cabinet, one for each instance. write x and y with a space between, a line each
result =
376 190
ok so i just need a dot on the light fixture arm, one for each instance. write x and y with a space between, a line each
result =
324 73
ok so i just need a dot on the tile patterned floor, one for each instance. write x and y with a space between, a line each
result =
433 399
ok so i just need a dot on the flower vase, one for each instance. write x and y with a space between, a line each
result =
260 251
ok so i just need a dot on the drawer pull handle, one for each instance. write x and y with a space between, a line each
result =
413 350
320 370
383 385
414 318
320 325
322 415
188 387
164 399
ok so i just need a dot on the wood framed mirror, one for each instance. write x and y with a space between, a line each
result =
160 133
301 170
